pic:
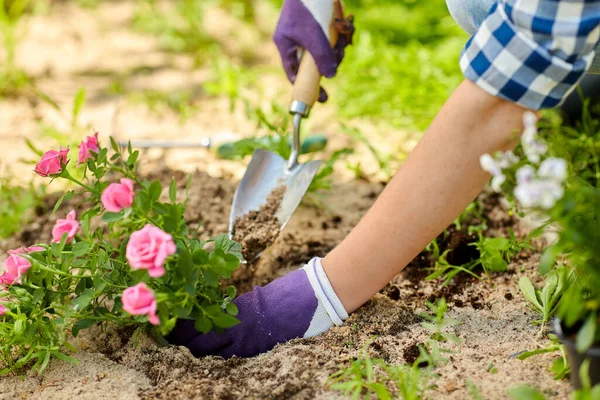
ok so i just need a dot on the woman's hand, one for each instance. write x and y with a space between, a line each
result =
305 24
299 304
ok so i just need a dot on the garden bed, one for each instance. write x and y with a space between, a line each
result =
495 323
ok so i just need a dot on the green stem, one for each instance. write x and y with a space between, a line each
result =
56 272
78 182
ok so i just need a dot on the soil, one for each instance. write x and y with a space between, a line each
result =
71 48
258 229
493 325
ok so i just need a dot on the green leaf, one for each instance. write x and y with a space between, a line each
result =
83 324
584 374
114 144
78 104
493 261
154 191
225 321
203 324
381 391
185 265
232 309
83 300
18 327
585 337
45 362
496 244
524 392
210 277
231 292
68 195
200 257
548 258
46 99
529 292
527 354
173 191
65 357
81 286
80 249
112 216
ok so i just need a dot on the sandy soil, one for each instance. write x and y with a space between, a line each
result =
66 50
494 323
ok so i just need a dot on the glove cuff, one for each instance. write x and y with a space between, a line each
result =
330 310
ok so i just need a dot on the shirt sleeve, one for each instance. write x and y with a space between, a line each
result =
533 52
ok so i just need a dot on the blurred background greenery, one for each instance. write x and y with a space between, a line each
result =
402 66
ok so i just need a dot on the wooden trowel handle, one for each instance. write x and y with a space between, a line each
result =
306 86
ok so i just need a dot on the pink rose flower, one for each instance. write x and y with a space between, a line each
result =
148 249
52 162
16 266
139 300
118 196
69 225
90 143
2 310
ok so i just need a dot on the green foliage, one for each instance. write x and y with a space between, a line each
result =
368 377
17 204
79 282
12 79
587 392
578 215
560 367
574 208
495 255
437 322
178 27
524 392
182 102
403 63
473 390
546 300
578 144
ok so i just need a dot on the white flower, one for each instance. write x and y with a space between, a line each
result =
527 194
551 192
539 193
507 159
534 149
553 168
532 146
530 120
525 174
497 182
488 164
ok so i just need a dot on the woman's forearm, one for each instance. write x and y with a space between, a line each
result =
438 180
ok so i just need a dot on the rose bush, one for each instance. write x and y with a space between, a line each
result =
123 257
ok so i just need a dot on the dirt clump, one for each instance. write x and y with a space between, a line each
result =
258 229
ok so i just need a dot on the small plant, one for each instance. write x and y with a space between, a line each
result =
560 367
367 377
546 300
124 257
495 255
437 322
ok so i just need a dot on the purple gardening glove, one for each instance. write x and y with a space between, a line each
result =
305 24
300 304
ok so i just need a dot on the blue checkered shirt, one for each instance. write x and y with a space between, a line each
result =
533 52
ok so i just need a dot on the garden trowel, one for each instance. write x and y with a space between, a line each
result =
268 171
